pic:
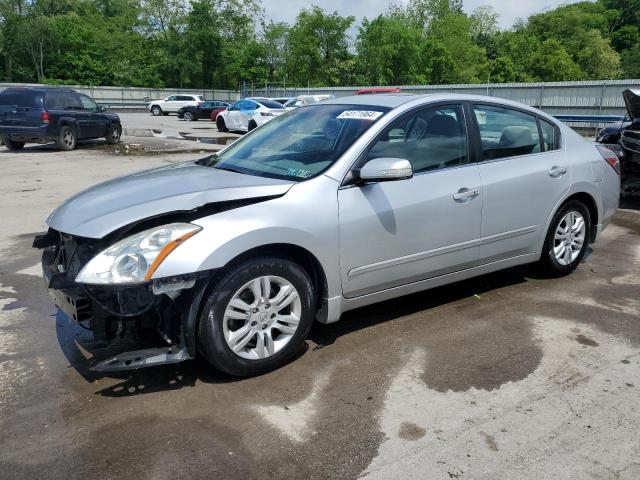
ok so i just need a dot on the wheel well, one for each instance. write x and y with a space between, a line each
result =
302 257
590 203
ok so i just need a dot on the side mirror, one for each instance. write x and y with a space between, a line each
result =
386 169
102 108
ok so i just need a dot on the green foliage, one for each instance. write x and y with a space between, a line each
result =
225 43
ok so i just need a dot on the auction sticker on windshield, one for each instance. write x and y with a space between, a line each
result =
359 115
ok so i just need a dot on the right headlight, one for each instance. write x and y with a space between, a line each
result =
135 259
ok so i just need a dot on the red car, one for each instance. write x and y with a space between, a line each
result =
369 91
216 111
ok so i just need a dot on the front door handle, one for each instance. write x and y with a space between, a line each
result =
557 172
466 194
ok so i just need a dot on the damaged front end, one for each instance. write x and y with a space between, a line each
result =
158 315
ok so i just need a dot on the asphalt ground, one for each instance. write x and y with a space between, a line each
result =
505 376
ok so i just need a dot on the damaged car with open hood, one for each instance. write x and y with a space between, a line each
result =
324 209
623 138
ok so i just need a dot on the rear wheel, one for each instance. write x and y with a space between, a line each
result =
257 316
66 139
113 134
156 111
567 239
13 144
222 127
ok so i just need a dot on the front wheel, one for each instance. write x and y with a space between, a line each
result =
257 316
113 134
156 111
66 139
188 116
567 239
252 125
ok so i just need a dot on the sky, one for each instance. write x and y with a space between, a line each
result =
509 10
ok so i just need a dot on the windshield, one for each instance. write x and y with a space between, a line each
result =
301 143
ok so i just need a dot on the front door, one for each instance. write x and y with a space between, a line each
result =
398 232
524 174
95 124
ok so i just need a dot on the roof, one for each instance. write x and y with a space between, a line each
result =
392 100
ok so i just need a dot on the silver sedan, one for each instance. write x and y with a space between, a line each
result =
324 209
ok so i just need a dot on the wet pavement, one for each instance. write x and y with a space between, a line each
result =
505 376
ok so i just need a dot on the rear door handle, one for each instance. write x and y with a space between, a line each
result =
557 172
466 194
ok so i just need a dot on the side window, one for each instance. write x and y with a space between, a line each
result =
185 98
430 139
172 98
88 104
72 101
54 100
549 136
506 133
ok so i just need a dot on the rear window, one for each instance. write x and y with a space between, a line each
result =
270 104
21 98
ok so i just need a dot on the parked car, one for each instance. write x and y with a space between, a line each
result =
202 110
378 90
62 115
173 103
247 114
624 138
331 207
302 100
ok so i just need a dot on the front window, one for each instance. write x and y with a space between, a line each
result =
88 104
300 144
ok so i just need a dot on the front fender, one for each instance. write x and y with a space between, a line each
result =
306 217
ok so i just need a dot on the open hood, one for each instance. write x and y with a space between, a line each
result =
632 101
101 209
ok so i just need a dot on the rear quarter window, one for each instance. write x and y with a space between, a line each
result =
21 98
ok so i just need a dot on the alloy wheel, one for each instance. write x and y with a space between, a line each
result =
67 138
261 317
569 238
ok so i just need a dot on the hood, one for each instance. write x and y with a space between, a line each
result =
632 101
101 209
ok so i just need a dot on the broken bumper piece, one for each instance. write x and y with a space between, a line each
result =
143 358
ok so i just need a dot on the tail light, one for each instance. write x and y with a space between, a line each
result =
610 157
45 117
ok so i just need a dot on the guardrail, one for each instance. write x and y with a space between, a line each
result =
135 98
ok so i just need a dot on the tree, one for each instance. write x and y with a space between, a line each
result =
318 43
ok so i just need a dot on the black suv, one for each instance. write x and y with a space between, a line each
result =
43 114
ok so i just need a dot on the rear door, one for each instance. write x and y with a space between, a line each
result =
524 176
73 107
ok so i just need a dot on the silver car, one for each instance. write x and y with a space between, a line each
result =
324 209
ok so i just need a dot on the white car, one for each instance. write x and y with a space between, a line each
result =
247 114
173 103
302 100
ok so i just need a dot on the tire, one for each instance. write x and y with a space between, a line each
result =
156 111
13 144
251 126
113 134
66 138
255 353
188 116
560 258
222 127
